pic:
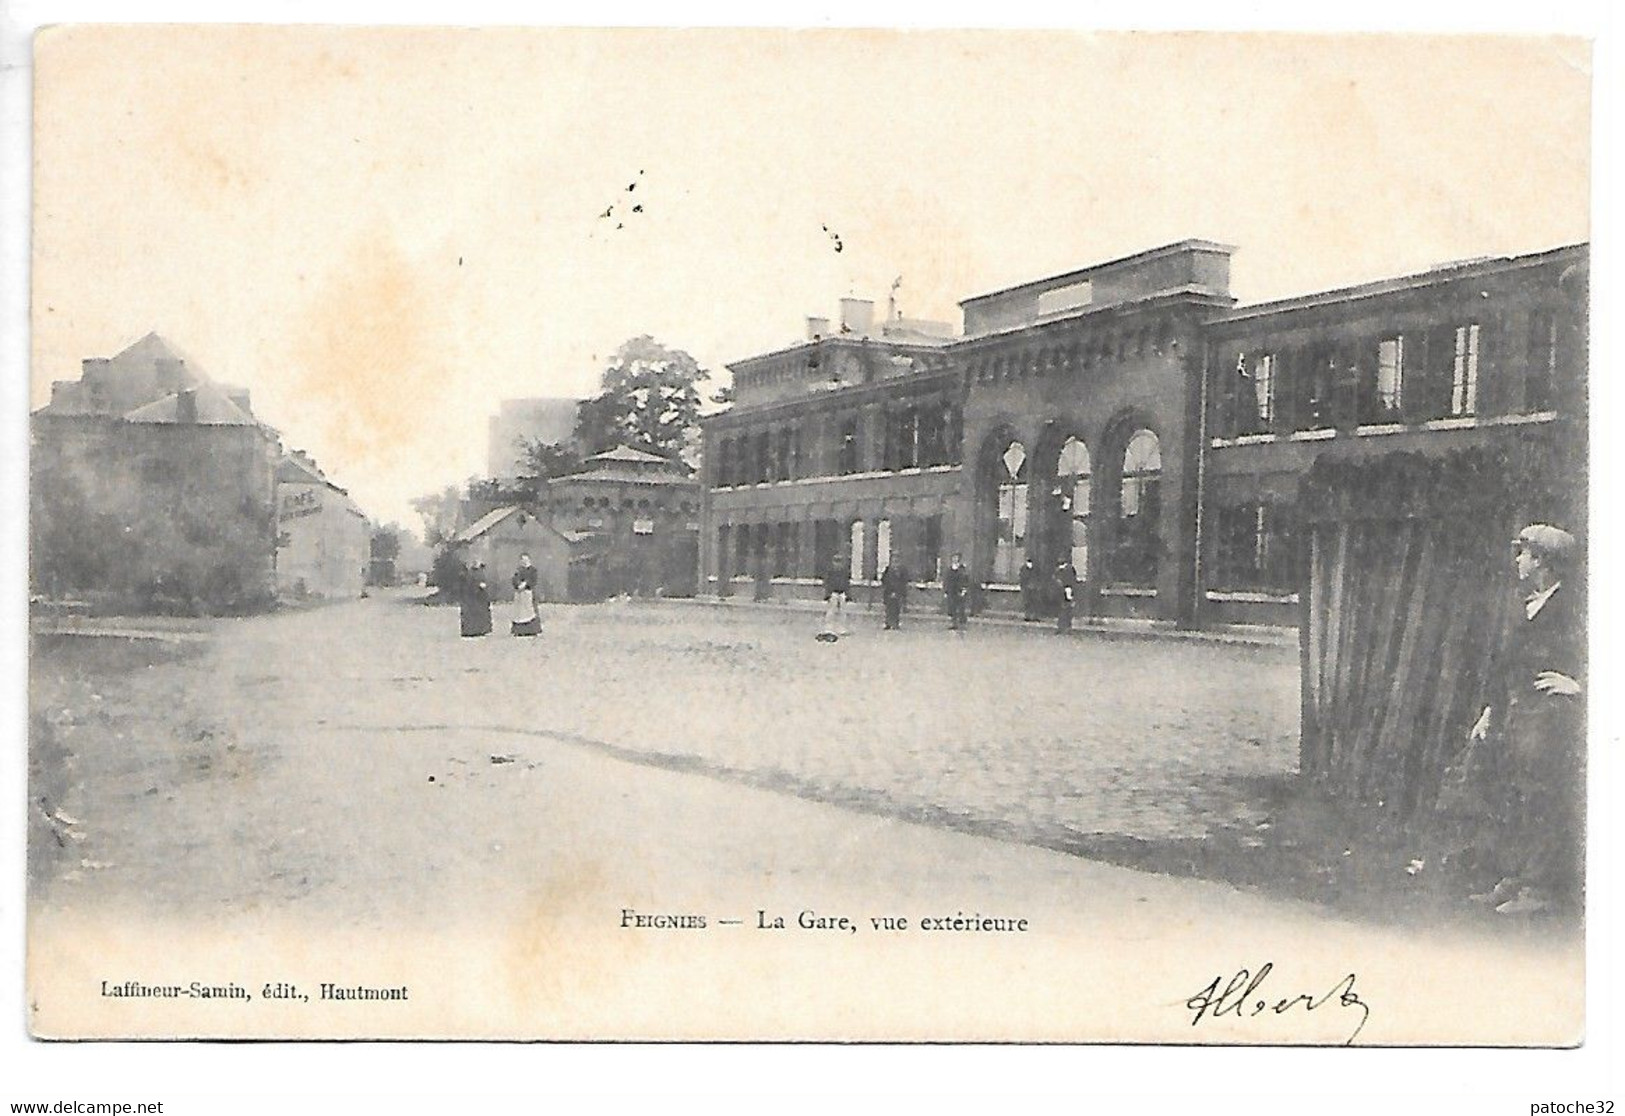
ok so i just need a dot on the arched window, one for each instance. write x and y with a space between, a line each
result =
1010 514
1072 481
1139 507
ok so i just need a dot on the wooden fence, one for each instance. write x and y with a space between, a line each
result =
1409 592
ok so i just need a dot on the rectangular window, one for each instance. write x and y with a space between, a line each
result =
826 538
855 557
781 459
882 544
1264 390
1317 389
908 439
1250 394
930 436
783 550
1390 378
1540 373
847 456
1256 547
1464 375
1432 365
930 548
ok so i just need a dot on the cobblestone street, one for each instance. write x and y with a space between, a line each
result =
1010 731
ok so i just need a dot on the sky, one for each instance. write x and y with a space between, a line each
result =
383 233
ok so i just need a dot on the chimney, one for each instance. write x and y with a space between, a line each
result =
186 406
817 327
857 315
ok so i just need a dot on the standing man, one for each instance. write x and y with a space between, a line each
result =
1066 593
837 584
1030 590
955 590
893 591
1536 725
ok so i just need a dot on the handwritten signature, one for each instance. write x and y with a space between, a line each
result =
1241 997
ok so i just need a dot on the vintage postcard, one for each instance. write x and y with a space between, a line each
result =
970 536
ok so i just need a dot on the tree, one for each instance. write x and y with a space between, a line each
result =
650 401
384 548
544 460
439 513
386 543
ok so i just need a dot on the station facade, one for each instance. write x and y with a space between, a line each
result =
1132 418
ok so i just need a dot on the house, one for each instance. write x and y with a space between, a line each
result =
324 541
152 488
498 539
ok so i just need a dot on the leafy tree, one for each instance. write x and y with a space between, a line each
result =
650 401
544 460
439 513
447 572
386 543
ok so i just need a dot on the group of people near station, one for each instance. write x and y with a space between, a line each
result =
1059 591
474 600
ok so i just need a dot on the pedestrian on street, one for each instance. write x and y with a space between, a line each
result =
893 593
1066 593
837 584
527 621
955 591
475 605
1031 589
1533 727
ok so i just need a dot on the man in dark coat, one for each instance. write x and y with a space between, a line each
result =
1031 590
893 591
1538 730
1066 594
956 592
475 606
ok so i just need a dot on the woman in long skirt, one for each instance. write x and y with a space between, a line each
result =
526 620
475 608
